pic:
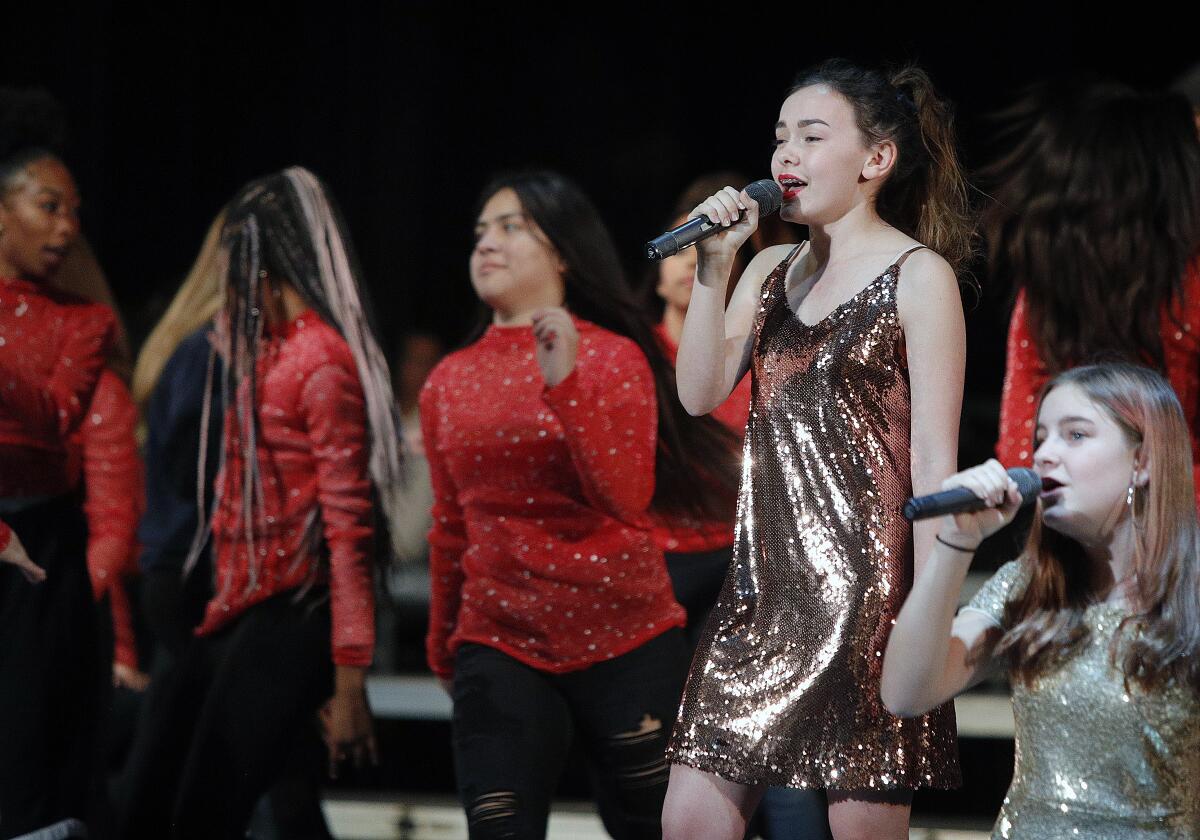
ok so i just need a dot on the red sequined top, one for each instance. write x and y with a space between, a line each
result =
539 545
104 448
312 454
52 349
1025 374
5 535
684 534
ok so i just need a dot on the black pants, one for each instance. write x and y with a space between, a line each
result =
50 675
222 723
697 578
513 726
173 605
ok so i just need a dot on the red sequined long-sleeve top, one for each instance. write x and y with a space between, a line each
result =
682 533
1025 373
52 349
539 546
104 447
313 460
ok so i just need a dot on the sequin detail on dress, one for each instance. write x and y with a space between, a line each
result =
784 689
1093 759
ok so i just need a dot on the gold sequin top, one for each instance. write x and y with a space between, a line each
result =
784 688
1094 760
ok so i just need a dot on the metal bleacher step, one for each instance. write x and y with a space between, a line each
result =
374 819
418 697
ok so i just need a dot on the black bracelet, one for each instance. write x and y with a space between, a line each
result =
938 537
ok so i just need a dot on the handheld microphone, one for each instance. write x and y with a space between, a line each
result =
964 500
766 193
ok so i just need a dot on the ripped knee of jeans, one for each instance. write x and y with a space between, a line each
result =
494 815
638 757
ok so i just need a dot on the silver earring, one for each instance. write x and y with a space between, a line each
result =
1129 492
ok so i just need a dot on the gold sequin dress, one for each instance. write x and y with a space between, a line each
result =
1094 760
784 688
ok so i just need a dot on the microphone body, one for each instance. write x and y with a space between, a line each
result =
964 500
766 193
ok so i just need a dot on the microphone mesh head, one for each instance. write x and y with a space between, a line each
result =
768 195
1029 483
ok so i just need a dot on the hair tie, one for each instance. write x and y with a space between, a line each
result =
906 102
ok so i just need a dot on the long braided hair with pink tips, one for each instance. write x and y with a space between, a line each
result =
286 226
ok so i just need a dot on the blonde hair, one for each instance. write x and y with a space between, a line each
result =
196 303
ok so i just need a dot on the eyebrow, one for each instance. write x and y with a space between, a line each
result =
803 123
500 218
1072 419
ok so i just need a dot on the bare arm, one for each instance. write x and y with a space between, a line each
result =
714 350
931 654
715 345
931 316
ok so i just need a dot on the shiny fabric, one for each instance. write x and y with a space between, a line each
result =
685 534
5 535
312 452
1025 373
1094 760
52 349
540 545
785 689
105 447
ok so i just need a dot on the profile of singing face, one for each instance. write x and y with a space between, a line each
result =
821 159
1087 463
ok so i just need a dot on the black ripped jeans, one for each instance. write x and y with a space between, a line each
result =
513 726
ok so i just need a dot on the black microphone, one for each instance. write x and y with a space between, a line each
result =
766 193
964 500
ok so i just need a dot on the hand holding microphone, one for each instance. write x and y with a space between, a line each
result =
982 500
725 219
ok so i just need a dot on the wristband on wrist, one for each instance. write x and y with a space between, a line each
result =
963 549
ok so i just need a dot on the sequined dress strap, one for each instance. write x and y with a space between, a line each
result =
775 287
899 261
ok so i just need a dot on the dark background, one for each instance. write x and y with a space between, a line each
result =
406 108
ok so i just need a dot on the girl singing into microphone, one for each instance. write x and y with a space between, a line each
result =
1097 623
855 345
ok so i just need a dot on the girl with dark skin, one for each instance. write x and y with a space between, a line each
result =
52 350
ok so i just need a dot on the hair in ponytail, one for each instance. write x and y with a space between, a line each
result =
925 196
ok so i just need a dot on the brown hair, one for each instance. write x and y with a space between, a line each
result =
1096 214
925 195
1046 619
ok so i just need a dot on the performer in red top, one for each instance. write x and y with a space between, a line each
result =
310 426
52 349
1107 267
11 551
105 447
551 606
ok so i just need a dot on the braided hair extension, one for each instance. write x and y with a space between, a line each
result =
285 225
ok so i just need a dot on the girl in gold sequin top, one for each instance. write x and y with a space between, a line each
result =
856 380
1098 622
